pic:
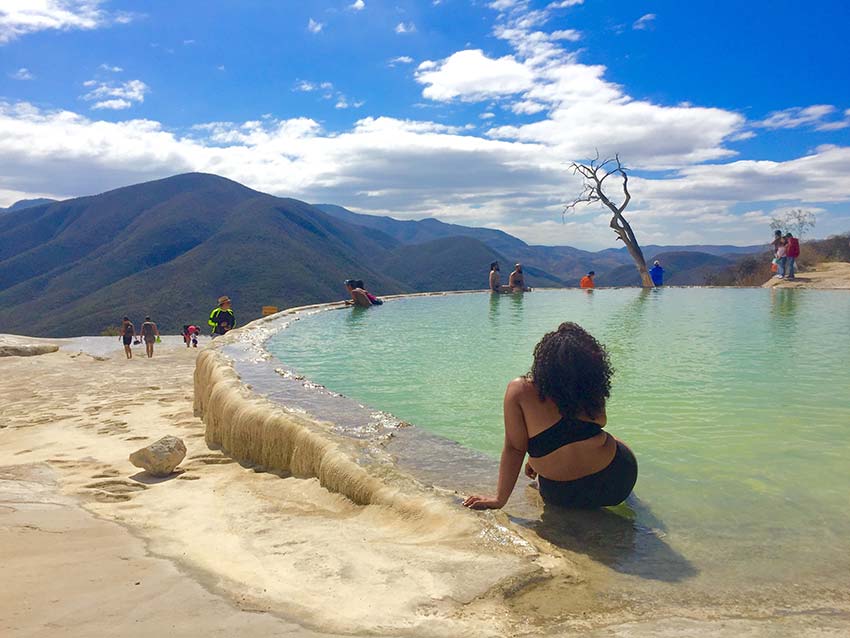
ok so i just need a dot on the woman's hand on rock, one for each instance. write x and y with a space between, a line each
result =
482 503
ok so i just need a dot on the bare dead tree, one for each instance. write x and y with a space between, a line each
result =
595 173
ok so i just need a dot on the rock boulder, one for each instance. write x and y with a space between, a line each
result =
160 457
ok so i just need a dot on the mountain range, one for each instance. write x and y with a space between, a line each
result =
26 203
169 248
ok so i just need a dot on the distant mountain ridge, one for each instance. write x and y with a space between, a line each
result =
560 265
27 203
169 248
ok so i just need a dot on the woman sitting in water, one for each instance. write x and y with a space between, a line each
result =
556 414
359 295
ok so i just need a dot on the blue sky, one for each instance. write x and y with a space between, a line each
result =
468 110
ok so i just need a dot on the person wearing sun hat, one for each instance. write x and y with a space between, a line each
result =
222 318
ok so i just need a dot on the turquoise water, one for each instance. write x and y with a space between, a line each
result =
735 401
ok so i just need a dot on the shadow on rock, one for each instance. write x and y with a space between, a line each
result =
150 479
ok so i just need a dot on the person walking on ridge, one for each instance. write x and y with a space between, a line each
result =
587 281
128 331
657 274
222 318
150 333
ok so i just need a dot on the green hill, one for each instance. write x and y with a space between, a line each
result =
171 247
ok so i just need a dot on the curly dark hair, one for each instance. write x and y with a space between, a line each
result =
572 368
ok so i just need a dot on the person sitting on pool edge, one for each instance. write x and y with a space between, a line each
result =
516 281
556 414
359 295
495 279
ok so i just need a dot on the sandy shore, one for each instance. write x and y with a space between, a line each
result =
89 545
827 276
239 541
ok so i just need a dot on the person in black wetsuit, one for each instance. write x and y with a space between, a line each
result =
556 414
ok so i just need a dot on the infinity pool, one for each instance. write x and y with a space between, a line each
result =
735 401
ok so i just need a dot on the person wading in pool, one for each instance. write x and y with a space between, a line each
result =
556 414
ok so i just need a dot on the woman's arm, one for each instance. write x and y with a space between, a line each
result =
513 452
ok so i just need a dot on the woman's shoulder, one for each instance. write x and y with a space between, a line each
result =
520 387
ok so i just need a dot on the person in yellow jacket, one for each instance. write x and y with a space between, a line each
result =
222 318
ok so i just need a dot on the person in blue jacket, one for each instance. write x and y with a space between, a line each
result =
657 273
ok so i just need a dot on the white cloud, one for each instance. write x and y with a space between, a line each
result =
402 59
114 104
20 17
188 42
22 74
357 5
644 22
487 116
563 4
306 86
221 67
314 27
341 103
111 69
580 111
567 34
503 5
814 116
109 95
472 76
458 176
405 27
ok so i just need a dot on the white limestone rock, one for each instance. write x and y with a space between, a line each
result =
160 457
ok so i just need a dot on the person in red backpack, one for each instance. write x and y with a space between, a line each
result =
792 251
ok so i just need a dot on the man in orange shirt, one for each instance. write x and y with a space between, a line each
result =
587 280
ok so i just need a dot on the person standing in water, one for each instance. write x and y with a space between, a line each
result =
128 331
657 274
555 414
222 318
150 333
587 280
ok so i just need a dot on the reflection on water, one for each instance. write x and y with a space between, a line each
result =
615 537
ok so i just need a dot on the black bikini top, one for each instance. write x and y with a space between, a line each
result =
562 433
